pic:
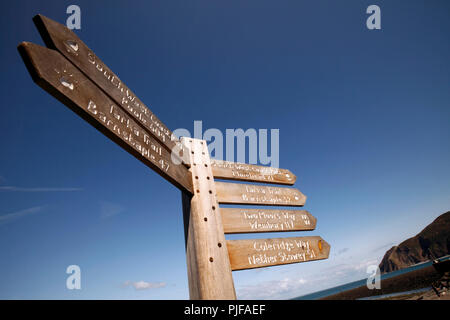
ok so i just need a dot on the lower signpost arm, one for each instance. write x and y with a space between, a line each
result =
208 264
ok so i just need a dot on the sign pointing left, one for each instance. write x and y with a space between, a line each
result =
58 37
52 72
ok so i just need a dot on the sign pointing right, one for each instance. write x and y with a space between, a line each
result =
239 193
249 172
238 220
257 253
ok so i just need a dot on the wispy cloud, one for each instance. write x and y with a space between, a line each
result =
144 285
274 289
342 251
108 209
38 189
385 246
9 217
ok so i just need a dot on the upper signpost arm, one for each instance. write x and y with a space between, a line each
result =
58 37
52 72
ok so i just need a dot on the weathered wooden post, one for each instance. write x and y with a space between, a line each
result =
208 265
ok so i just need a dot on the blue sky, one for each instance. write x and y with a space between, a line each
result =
363 118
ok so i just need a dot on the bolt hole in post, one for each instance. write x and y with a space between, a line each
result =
206 219
211 259
219 245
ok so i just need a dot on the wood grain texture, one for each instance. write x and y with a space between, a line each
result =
52 72
238 193
249 172
258 253
239 220
209 270
58 37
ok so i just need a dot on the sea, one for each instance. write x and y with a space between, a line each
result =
359 283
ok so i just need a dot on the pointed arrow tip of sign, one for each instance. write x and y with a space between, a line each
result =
292 177
24 49
41 22
326 247
32 55
38 19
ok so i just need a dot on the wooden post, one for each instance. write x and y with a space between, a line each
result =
208 264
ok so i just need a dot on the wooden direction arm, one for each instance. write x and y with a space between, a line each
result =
65 82
58 37
249 172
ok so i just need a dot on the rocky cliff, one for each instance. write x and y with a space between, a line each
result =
431 242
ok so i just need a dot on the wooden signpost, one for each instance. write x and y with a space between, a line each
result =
238 220
238 193
249 172
74 75
257 253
